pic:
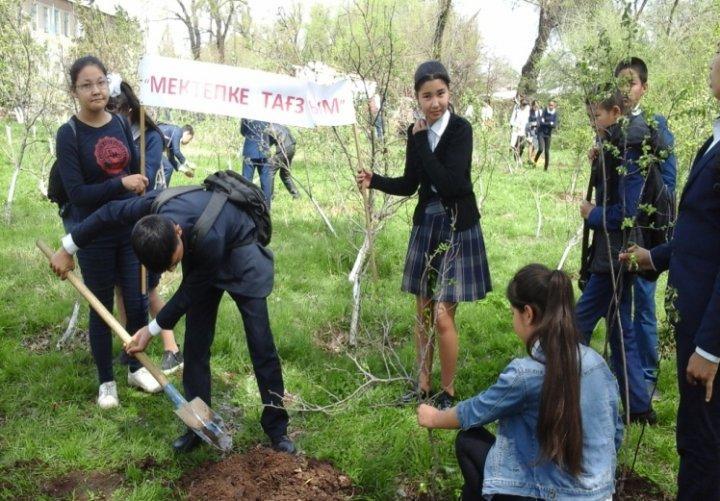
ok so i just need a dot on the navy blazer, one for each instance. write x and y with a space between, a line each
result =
447 169
216 261
693 254
547 121
174 135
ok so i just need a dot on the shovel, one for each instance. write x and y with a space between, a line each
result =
196 414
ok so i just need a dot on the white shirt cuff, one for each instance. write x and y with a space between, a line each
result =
707 356
154 328
69 245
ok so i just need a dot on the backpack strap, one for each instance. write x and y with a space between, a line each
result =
207 218
168 193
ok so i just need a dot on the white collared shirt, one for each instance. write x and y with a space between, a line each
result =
716 134
436 130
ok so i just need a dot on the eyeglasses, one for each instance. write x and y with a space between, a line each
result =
87 87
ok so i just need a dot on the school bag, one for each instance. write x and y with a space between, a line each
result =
656 212
56 189
226 186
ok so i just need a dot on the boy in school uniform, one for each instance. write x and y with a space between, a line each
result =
175 161
692 258
608 293
633 76
547 123
221 262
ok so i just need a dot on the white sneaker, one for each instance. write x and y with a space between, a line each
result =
142 379
107 395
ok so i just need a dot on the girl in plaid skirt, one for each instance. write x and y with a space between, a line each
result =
446 261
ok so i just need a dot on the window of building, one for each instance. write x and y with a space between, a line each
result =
47 26
34 16
56 21
66 23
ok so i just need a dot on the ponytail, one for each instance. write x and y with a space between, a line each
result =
550 295
127 102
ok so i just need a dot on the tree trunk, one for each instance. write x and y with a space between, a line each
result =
190 19
440 27
547 22
670 19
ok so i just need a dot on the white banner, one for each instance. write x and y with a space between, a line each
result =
240 92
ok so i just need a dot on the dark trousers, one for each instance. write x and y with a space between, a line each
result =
645 325
519 147
168 170
265 173
697 433
199 334
107 262
471 448
596 303
543 147
281 162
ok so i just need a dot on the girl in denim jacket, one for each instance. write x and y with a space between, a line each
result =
557 409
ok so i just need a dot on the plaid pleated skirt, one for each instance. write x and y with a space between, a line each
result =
445 265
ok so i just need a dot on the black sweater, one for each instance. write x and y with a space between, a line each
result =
447 169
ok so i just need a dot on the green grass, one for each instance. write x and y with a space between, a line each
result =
50 424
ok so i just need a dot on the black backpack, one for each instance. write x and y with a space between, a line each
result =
226 186
56 190
656 212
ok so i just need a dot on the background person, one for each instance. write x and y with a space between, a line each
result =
284 142
175 137
127 104
547 123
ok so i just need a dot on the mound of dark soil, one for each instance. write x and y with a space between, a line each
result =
263 474
633 487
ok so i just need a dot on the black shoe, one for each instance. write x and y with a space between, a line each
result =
171 362
444 401
647 417
283 444
295 195
415 397
186 442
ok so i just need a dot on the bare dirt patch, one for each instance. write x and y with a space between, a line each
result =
331 338
84 485
40 342
636 488
263 474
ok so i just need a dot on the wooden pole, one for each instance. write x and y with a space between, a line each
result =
107 317
143 271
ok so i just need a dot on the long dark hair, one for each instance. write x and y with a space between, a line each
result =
128 103
549 294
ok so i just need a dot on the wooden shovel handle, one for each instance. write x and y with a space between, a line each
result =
108 317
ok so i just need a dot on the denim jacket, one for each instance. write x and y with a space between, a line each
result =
513 465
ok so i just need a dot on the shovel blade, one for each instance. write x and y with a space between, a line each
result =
205 423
